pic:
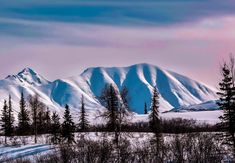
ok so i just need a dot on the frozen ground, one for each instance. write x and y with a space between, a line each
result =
211 117
19 150
30 150
14 152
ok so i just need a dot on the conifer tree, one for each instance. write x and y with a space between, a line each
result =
10 124
83 122
115 114
23 117
55 128
68 126
154 120
227 104
109 99
4 120
145 108
154 124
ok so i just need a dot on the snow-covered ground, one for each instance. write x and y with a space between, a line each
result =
14 152
30 150
211 117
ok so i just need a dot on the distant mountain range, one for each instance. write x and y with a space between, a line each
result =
176 91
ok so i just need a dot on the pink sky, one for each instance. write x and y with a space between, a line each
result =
194 49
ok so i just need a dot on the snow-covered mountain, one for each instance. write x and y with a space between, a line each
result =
175 90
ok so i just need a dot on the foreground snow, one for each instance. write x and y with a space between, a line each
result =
8 153
31 151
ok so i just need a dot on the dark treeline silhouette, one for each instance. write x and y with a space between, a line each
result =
35 118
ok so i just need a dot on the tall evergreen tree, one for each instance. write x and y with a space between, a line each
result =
109 99
227 104
145 108
68 126
4 120
154 120
23 117
10 118
154 124
116 113
83 122
55 128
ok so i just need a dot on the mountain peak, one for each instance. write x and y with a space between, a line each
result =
29 76
27 71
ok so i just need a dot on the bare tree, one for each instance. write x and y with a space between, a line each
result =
35 106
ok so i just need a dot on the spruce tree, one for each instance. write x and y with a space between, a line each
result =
83 122
55 128
115 113
109 99
154 124
4 120
227 104
68 126
154 120
23 117
145 108
10 118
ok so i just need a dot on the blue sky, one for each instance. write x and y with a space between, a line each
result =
187 36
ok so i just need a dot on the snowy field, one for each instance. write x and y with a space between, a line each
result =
24 147
8 153
211 117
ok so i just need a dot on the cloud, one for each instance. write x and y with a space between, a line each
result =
194 49
117 12
187 36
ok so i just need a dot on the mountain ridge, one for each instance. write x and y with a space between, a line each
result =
175 90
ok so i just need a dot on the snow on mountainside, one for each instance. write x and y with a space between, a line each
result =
175 90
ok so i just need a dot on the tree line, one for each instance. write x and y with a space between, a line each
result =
35 118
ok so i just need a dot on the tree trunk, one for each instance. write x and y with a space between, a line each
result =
5 139
35 132
233 139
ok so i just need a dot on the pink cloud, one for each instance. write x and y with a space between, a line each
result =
195 50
